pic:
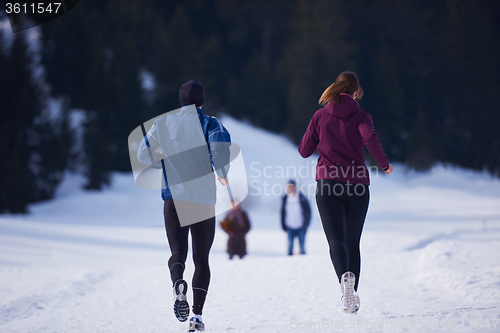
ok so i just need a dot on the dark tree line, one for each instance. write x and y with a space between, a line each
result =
35 143
430 69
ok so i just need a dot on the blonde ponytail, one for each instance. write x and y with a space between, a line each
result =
347 82
332 93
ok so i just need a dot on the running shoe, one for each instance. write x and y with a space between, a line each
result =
181 306
195 325
350 299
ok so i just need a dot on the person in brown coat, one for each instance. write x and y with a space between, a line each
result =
236 224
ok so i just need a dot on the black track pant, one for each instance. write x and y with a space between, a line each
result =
202 236
342 208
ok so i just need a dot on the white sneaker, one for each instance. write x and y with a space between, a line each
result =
350 299
181 306
195 325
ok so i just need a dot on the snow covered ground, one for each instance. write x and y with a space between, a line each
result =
97 262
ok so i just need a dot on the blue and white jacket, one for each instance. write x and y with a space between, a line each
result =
153 150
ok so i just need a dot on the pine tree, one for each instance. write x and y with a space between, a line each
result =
51 149
20 107
318 51
419 143
470 63
34 149
97 69
269 61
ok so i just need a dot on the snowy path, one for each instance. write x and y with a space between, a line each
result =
97 262
88 285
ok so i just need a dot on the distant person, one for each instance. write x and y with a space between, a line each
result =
202 233
338 131
295 216
236 225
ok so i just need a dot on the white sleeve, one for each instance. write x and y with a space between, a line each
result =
153 154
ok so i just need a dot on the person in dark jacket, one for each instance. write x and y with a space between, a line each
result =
295 216
237 227
338 132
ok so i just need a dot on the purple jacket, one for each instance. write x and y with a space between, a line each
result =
338 132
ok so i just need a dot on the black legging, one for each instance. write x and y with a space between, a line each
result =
202 235
342 208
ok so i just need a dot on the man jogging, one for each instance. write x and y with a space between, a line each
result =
188 190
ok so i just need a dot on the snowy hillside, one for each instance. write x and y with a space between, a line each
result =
97 261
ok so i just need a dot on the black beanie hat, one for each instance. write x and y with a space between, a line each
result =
192 92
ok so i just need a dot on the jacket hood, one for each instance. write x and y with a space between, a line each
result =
345 109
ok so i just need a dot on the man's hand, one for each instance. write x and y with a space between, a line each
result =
223 181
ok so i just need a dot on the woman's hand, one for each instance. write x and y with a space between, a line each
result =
223 181
389 170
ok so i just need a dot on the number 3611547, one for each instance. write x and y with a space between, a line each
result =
33 8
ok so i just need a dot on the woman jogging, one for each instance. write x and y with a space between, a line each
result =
338 131
153 149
